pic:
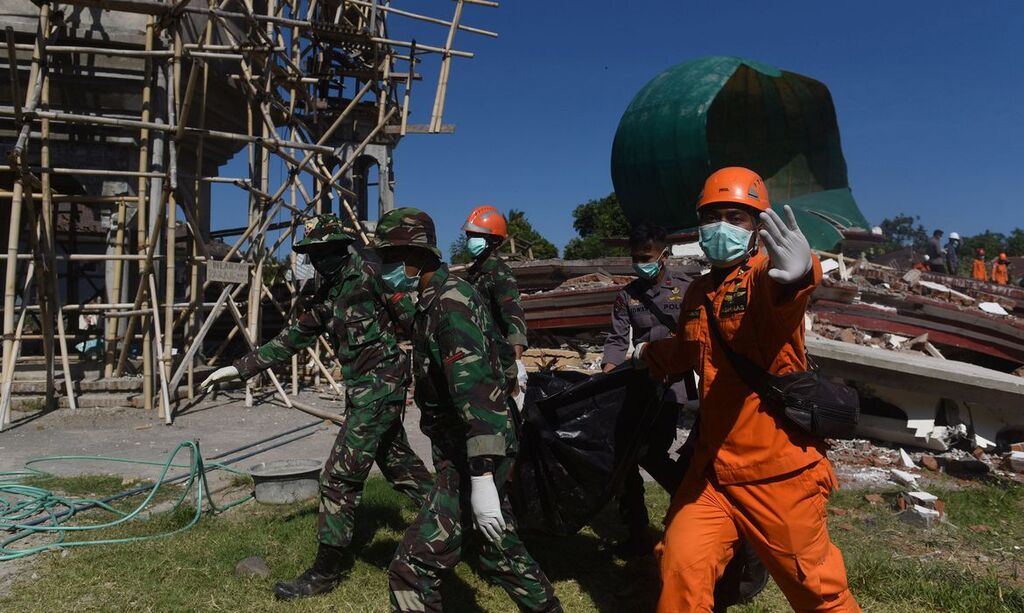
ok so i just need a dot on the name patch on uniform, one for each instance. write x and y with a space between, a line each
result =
691 314
735 301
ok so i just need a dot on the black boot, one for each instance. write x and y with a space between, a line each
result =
321 578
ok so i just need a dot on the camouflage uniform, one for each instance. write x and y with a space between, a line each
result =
493 280
464 412
360 319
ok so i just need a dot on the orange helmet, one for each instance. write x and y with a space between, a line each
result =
486 220
735 185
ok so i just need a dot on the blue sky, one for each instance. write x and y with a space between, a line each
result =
929 98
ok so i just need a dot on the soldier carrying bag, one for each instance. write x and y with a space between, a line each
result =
817 405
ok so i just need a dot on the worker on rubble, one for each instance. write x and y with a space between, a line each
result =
753 475
461 392
935 253
363 321
952 258
1001 270
978 271
486 230
922 265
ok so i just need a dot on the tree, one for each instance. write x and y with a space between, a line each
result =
595 221
526 237
458 252
991 242
901 231
1015 243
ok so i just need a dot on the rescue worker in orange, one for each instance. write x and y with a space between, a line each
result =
1001 270
978 272
753 476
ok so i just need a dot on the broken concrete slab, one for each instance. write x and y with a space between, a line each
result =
902 477
906 460
921 516
1016 461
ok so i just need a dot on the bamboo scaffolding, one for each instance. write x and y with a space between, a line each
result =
305 109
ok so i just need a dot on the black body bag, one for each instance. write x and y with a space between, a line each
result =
818 405
579 435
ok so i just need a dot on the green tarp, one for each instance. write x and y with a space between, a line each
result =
714 112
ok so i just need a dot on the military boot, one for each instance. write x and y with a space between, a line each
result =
320 578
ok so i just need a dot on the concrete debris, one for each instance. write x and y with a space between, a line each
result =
921 516
906 460
992 307
828 265
1017 446
923 498
1016 461
902 477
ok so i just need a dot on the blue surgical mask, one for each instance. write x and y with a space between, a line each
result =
647 270
476 245
724 243
395 278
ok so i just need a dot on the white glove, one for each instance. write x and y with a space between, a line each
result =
787 247
520 399
638 355
521 375
227 373
487 508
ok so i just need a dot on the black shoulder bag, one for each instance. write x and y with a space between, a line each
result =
816 404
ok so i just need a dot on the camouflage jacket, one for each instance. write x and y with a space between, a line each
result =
459 384
361 321
497 287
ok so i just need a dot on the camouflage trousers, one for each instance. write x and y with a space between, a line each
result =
370 434
433 543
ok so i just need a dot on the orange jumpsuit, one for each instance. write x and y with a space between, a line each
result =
1000 273
979 272
753 475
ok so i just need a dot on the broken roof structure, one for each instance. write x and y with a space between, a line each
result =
714 112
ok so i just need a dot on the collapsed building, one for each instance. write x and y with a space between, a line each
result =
937 360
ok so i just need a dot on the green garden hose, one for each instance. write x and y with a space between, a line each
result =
22 506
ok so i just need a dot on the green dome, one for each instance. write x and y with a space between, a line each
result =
713 112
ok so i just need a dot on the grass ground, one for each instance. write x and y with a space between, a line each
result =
973 563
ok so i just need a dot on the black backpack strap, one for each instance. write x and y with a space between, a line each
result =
756 378
660 315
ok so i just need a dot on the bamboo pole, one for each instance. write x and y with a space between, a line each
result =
446 63
8 380
14 222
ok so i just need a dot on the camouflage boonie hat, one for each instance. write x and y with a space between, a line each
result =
407 227
321 230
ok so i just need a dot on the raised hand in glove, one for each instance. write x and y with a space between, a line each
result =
788 250
227 373
487 507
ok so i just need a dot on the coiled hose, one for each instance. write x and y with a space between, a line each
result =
27 511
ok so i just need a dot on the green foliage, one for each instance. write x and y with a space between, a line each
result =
458 252
526 237
595 221
902 231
